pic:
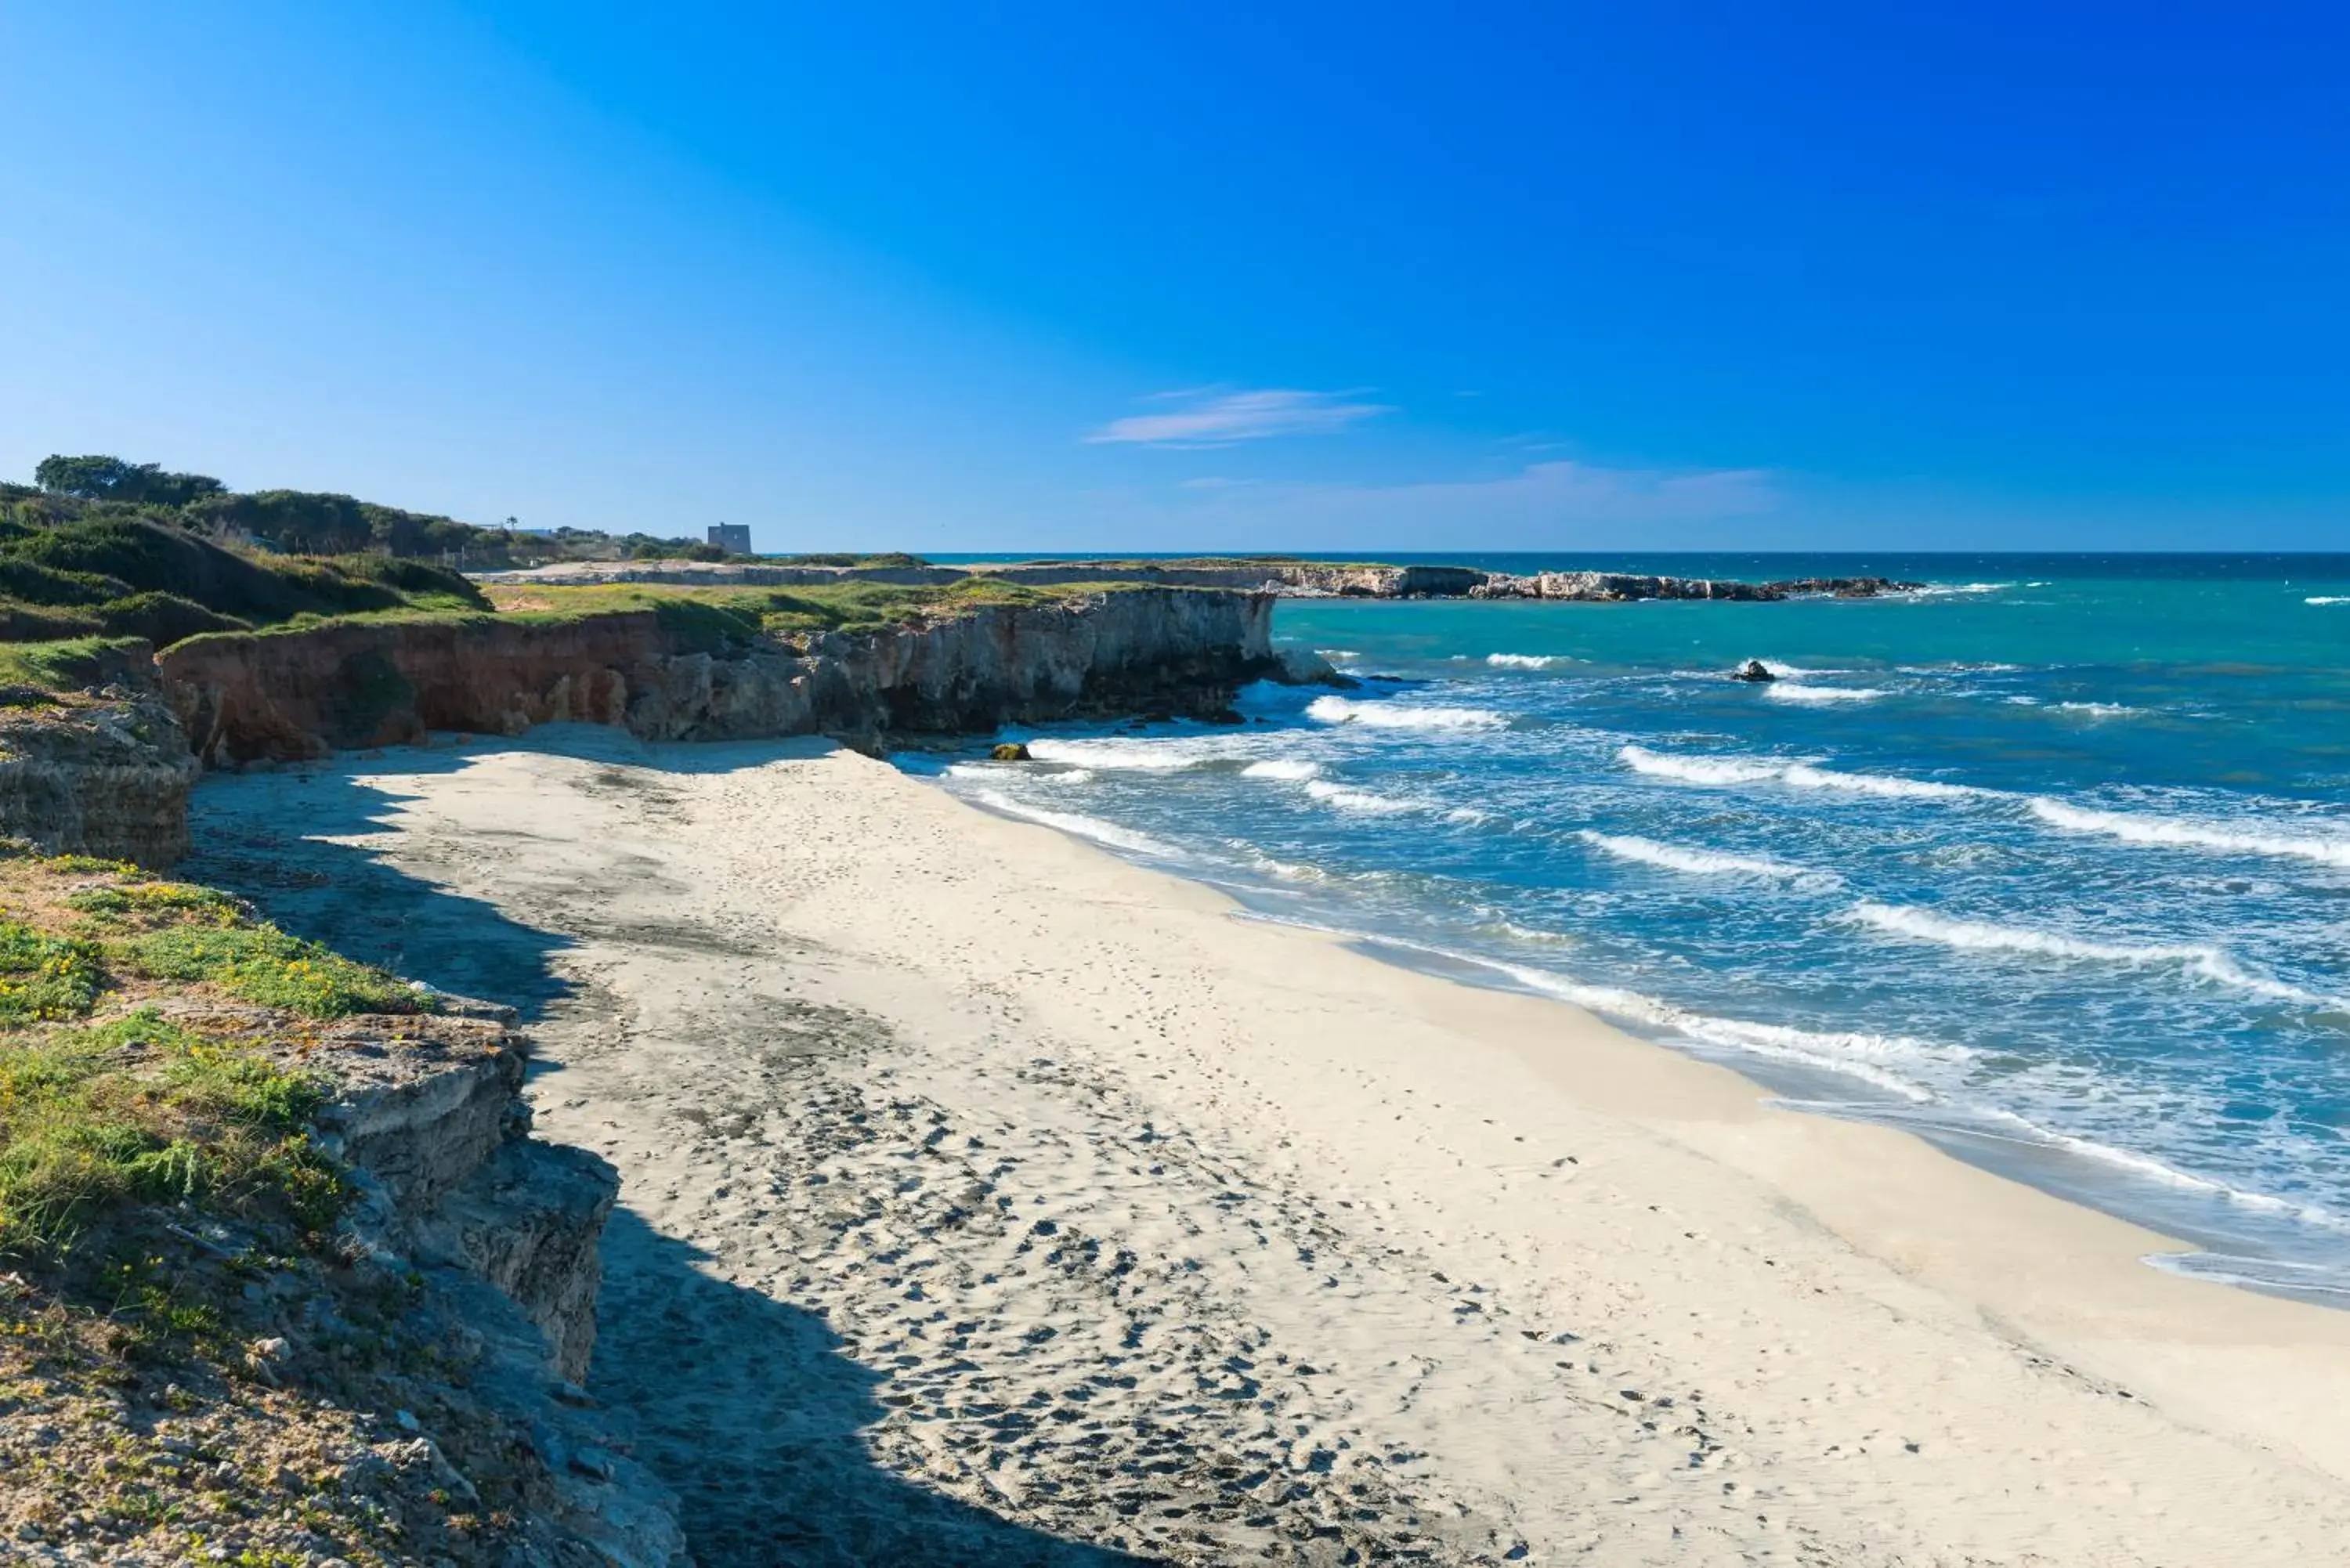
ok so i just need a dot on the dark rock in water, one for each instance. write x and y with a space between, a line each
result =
1752 670
1223 716
1304 667
1010 751
1841 587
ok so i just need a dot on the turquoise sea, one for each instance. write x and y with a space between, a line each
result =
2050 863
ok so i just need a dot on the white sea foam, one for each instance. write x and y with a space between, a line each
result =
2267 1273
2011 1126
2211 962
1796 775
1290 768
1802 775
1958 667
1699 770
2097 710
1876 1059
2328 600
2186 834
1533 936
1027 775
1943 590
1400 715
1697 862
1167 753
1523 660
1106 833
1792 691
1359 800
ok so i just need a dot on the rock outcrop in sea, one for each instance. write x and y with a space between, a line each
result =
1276 576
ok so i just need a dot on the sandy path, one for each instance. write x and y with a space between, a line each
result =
988 1201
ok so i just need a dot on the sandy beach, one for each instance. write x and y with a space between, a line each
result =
988 1200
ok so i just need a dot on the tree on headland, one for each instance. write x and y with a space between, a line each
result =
100 478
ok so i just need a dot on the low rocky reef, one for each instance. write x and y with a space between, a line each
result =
1276 576
1612 588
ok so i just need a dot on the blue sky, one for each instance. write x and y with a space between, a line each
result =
1298 276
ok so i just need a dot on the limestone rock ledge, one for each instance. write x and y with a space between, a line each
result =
503 1231
302 693
109 778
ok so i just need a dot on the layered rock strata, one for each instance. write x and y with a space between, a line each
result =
109 778
302 693
502 1229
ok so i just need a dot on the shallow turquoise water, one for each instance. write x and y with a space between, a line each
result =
2051 862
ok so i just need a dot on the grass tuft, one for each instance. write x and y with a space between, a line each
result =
263 964
46 977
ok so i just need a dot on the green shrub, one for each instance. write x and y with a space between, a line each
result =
35 583
45 977
73 661
263 964
221 1125
155 902
29 623
163 619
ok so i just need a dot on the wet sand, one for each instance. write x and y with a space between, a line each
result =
990 1200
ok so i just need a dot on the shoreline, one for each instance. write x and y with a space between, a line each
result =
2191 1215
1865 1339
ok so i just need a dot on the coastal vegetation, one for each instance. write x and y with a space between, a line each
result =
717 615
310 523
165 1204
104 560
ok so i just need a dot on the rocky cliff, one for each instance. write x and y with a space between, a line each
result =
501 1231
107 777
301 694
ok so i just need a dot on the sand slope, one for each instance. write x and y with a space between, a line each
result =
990 1200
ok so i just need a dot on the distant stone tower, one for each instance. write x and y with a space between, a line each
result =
735 538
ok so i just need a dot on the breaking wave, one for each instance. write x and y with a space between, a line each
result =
1030 776
1797 775
1792 691
1359 800
1099 832
2182 833
1697 862
1400 715
2211 962
1290 768
1119 754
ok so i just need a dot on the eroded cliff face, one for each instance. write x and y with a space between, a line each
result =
109 778
502 1229
302 693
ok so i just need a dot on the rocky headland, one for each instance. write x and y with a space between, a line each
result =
1280 576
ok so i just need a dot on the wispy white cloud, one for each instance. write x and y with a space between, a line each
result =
1211 416
1541 504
